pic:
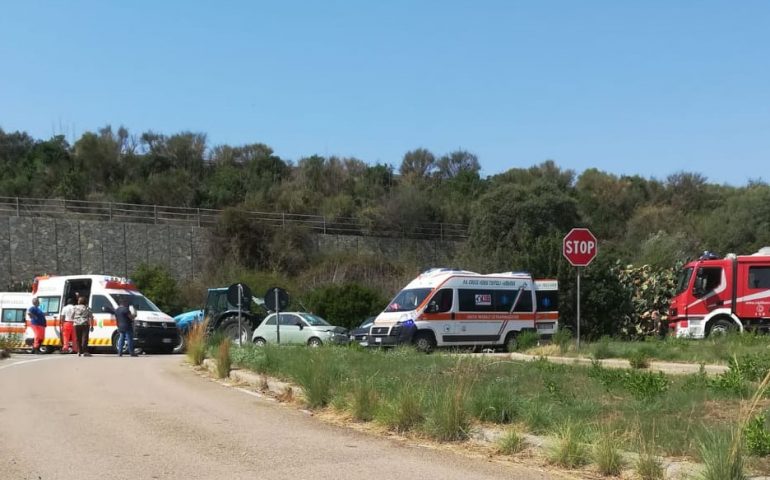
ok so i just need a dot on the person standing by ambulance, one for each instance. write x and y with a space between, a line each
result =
83 320
68 342
125 316
37 323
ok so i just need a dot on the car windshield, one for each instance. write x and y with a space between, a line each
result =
140 303
683 281
408 300
314 320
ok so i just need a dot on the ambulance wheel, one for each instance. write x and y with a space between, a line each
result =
424 342
511 344
721 326
46 349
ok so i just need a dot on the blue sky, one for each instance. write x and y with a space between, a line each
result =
646 87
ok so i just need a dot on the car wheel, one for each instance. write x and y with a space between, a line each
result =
260 342
181 345
314 342
424 342
229 328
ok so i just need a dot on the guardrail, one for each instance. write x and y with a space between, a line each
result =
205 217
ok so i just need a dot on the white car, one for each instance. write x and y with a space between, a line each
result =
299 328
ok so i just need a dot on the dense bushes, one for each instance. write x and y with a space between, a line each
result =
345 305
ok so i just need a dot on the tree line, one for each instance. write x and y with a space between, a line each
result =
516 219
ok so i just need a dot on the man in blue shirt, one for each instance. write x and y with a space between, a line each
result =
37 323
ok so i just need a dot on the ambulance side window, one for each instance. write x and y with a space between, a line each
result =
475 300
547 300
100 304
525 302
49 305
13 315
759 277
442 301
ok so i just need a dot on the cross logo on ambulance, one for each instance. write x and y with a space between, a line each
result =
484 299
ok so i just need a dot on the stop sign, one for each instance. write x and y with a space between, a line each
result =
579 247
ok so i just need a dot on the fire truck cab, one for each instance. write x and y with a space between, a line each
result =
717 295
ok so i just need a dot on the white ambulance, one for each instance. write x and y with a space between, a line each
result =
13 317
445 307
153 329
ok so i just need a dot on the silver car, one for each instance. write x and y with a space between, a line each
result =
299 328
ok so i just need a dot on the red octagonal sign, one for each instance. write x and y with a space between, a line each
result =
579 247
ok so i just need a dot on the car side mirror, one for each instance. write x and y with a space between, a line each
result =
432 307
299 324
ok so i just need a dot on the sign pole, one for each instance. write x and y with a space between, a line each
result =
277 318
240 332
577 343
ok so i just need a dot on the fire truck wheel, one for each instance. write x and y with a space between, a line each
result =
721 326
424 342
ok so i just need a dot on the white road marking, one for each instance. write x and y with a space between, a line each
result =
26 361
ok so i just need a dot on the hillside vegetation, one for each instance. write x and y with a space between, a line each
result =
516 219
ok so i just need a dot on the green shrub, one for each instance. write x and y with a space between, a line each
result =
157 284
563 338
606 453
447 418
365 400
526 340
645 385
511 443
569 451
494 402
345 305
318 377
224 361
757 436
648 467
403 411
731 382
639 359
722 455
602 349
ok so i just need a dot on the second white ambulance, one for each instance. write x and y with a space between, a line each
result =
445 307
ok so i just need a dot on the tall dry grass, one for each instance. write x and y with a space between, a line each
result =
196 343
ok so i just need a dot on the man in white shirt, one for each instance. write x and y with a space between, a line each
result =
68 343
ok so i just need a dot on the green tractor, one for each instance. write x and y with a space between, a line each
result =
222 316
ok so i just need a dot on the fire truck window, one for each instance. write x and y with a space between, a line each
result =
759 277
713 276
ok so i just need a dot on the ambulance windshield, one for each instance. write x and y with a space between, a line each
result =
408 300
139 302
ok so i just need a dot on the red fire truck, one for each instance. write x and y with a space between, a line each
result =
717 295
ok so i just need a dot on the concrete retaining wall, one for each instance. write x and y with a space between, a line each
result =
31 246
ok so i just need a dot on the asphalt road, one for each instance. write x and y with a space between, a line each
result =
152 417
